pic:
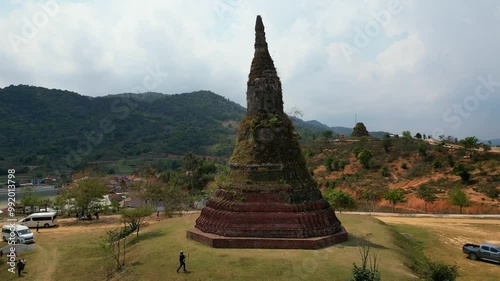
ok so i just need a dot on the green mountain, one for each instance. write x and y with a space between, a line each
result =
40 127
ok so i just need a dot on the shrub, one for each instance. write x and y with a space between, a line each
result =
462 171
387 143
340 200
451 161
368 271
364 274
328 163
385 171
357 150
438 271
436 164
404 165
365 156
422 149
343 163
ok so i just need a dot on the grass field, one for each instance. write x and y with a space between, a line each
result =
69 252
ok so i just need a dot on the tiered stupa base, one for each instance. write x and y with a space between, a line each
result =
300 219
217 241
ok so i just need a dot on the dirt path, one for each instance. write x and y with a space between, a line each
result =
51 259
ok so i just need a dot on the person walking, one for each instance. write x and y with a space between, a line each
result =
182 259
157 215
37 226
19 268
23 261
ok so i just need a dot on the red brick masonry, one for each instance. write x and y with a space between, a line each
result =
217 241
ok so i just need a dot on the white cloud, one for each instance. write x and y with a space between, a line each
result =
427 57
401 56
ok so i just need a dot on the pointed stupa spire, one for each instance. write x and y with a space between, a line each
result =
264 93
260 35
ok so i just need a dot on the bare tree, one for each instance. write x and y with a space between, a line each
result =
368 271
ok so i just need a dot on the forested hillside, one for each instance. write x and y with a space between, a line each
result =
40 126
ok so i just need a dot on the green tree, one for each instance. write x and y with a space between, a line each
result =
428 194
407 139
45 202
166 189
30 198
84 192
470 143
387 143
486 147
340 200
463 172
407 134
422 149
365 156
459 198
327 135
175 199
418 136
149 189
395 196
190 161
136 216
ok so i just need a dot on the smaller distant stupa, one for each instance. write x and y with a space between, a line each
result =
359 130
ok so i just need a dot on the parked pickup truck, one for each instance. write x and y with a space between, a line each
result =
484 251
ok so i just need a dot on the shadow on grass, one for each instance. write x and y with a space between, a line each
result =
355 241
146 236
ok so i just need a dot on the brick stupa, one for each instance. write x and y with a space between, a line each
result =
360 130
269 199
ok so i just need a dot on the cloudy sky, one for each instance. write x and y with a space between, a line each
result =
425 66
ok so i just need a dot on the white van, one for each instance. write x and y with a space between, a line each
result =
20 233
43 219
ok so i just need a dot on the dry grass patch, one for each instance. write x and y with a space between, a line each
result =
443 238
